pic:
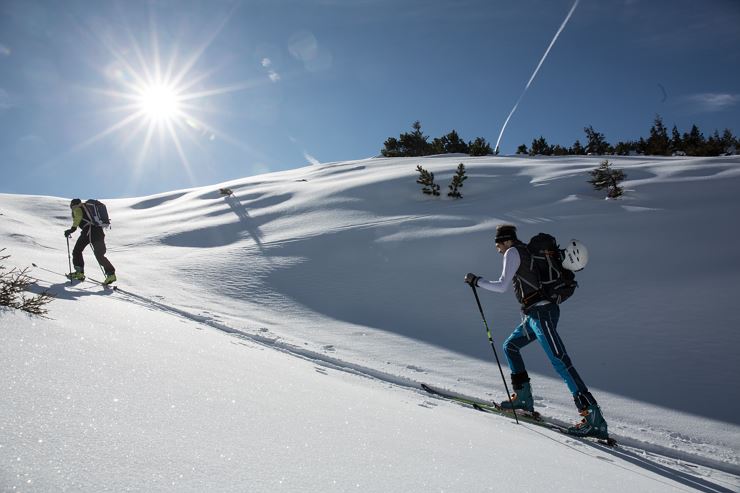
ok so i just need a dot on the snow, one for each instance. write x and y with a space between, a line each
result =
275 340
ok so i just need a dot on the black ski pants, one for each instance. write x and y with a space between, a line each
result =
92 235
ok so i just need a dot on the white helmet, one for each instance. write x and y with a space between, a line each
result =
575 256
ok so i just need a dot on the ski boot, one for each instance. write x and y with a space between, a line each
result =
109 279
593 424
520 399
77 275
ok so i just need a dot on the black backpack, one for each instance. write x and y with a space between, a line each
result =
557 283
97 213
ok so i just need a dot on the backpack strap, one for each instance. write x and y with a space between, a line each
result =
86 217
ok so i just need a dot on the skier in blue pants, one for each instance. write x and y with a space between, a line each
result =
540 321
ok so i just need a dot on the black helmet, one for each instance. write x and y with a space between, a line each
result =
74 202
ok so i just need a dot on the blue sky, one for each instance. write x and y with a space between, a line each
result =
265 85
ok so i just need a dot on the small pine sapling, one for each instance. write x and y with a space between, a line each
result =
607 177
427 180
13 282
457 182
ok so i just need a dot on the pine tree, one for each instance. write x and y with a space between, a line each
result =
607 177
624 148
427 180
416 143
391 148
676 142
457 182
729 142
559 150
540 147
694 141
713 146
455 144
597 144
658 143
438 145
408 144
522 149
479 147
577 149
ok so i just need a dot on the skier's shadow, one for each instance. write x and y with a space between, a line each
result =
695 482
249 224
684 478
67 291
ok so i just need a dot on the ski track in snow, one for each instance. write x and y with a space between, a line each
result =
631 450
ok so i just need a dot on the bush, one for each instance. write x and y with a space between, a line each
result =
13 283
457 182
427 180
606 177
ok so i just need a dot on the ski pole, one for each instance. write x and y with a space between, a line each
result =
495 353
69 258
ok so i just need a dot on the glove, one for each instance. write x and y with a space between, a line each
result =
69 231
471 279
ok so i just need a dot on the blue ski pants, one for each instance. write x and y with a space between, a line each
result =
541 323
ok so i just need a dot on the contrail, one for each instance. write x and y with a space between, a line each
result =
534 74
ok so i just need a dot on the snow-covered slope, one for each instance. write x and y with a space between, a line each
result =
233 360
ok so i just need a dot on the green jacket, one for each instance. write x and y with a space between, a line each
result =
77 215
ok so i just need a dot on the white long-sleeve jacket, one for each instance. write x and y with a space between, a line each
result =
512 260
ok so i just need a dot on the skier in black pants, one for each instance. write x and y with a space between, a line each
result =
540 320
90 234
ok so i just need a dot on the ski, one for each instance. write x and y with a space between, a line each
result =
485 406
94 281
492 407
76 281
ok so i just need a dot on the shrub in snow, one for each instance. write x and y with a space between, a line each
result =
427 180
457 182
607 177
13 282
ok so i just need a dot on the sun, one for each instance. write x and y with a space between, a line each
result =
161 95
159 102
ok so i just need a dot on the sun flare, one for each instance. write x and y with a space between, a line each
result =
166 100
160 103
